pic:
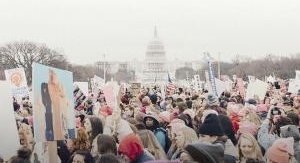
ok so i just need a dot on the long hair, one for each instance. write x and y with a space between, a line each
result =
257 150
189 137
151 143
106 144
97 127
82 141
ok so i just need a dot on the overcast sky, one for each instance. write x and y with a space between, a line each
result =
85 29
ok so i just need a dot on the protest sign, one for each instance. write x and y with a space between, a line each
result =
79 98
17 79
220 86
53 107
294 86
241 86
84 87
9 137
135 89
257 88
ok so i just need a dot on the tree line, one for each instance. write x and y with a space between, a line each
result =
280 66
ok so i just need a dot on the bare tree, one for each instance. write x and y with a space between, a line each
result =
23 54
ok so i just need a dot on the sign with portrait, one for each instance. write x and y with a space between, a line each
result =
53 107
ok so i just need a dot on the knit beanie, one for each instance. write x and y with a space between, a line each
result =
206 152
212 100
166 116
131 146
248 127
281 150
262 108
290 131
211 126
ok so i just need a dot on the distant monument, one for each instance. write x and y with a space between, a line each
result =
155 69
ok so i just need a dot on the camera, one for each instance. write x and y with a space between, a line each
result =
275 111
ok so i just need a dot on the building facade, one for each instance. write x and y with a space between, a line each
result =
155 69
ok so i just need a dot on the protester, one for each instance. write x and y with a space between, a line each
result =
131 150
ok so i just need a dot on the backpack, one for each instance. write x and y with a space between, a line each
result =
167 139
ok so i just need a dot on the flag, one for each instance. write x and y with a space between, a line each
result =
170 86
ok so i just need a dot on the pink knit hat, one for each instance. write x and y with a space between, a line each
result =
166 116
248 127
262 108
281 150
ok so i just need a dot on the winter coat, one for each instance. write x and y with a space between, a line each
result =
264 138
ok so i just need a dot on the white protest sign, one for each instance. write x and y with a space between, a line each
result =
220 86
17 79
9 136
257 88
294 86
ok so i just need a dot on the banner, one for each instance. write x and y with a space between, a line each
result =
53 107
17 79
212 78
9 136
197 83
84 87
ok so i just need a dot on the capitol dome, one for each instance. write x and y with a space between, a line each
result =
155 49
155 64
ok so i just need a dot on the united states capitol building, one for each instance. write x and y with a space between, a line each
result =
155 67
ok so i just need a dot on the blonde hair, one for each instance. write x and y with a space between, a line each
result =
151 143
257 150
82 141
189 135
252 117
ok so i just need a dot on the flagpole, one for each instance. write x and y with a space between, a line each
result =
219 70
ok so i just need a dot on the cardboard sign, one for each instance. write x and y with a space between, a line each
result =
17 79
135 89
9 136
53 107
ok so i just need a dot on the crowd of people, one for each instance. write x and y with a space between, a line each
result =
185 126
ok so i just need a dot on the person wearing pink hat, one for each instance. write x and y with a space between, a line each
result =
248 127
281 151
164 118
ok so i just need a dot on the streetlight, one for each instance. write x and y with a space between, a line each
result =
104 67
